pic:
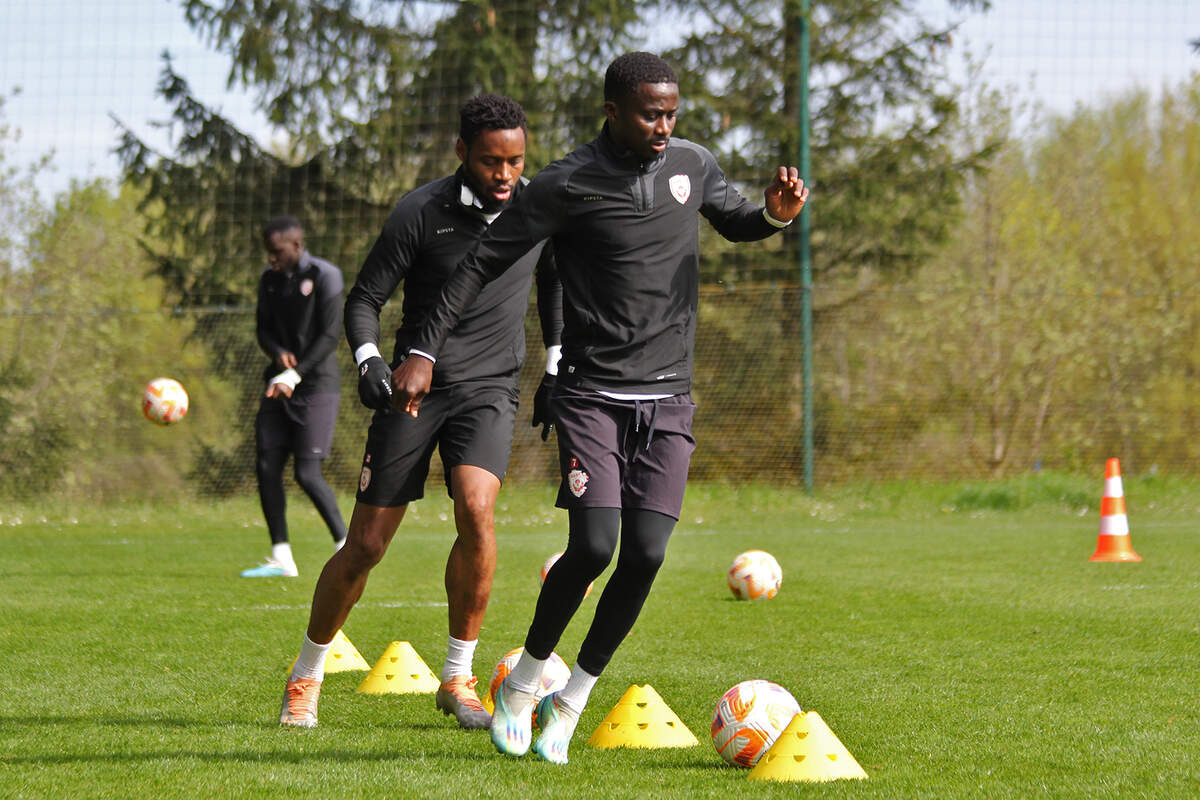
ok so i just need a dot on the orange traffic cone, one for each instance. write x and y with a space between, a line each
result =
1113 544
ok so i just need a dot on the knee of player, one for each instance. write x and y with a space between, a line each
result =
594 553
642 554
475 513
644 561
363 551
308 474
267 465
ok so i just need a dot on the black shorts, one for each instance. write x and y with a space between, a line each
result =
470 422
302 423
622 453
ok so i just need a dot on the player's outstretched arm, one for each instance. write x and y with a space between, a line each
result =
410 383
786 196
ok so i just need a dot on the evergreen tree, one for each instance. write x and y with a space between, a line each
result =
368 94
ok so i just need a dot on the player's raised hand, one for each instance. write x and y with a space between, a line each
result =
786 196
410 383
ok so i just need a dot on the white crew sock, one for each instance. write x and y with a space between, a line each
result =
579 687
459 655
527 674
310 663
282 553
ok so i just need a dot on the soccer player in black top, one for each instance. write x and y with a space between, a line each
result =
299 319
470 411
622 214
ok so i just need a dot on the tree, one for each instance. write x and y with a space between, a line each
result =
84 331
885 172
1060 324
368 96
382 82
206 204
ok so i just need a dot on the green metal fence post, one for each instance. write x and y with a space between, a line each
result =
805 253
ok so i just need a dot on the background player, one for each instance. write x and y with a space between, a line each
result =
622 213
299 320
469 414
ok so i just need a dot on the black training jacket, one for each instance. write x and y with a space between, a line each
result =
426 235
625 237
301 313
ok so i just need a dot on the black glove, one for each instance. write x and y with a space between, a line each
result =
375 384
541 405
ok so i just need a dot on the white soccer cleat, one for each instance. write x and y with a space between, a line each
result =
457 696
558 726
299 708
271 569
512 722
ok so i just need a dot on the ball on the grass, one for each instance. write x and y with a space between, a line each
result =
164 401
749 718
554 676
754 575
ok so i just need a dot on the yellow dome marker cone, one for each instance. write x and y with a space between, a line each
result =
400 671
641 718
342 656
807 750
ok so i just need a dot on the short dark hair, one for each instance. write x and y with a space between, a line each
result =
279 224
626 72
489 112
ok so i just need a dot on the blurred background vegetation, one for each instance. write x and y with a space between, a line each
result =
998 289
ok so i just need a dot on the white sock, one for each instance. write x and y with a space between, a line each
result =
338 544
527 674
459 655
282 553
579 687
310 663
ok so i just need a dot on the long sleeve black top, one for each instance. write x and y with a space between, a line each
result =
625 236
301 312
430 230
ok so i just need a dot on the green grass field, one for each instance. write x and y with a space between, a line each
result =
955 638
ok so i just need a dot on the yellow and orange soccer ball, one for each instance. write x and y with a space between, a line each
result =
754 575
749 718
554 677
164 401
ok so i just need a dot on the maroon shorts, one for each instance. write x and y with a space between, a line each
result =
622 453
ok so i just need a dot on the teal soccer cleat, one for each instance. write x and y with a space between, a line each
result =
512 721
558 726
270 569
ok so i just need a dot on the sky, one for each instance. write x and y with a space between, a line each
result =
78 63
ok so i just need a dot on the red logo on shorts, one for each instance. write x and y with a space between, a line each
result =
577 480
365 479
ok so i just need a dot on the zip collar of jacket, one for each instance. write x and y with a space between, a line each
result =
626 157
468 199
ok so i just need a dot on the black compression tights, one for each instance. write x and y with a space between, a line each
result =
590 545
269 467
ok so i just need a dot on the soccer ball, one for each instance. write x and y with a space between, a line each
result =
554 677
754 575
164 401
749 718
550 563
